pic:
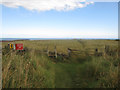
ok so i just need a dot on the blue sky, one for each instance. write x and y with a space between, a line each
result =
98 20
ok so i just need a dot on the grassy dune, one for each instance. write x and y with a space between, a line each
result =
83 69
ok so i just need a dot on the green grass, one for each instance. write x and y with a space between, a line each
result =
82 69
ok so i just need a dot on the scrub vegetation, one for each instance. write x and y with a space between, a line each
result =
86 64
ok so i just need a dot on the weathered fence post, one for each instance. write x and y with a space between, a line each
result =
55 52
69 52
47 51
96 52
13 46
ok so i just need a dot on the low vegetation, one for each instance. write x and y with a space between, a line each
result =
89 65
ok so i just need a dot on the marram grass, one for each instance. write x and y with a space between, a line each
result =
82 69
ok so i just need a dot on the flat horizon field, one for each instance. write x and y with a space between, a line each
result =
88 65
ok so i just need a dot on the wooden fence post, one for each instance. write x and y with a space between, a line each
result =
55 52
47 51
69 52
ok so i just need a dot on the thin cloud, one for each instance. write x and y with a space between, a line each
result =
46 5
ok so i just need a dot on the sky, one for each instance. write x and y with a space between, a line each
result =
65 19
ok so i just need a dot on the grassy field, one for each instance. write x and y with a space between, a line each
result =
84 68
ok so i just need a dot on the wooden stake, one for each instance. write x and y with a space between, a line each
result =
55 52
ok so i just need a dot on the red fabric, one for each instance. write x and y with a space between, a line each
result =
19 46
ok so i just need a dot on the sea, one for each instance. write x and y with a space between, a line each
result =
11 39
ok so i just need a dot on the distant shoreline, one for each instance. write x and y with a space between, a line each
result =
23 39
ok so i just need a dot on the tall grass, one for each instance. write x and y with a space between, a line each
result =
27 71
35 69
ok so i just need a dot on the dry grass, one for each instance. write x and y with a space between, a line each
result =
35 69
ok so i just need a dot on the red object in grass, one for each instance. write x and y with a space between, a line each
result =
19 46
